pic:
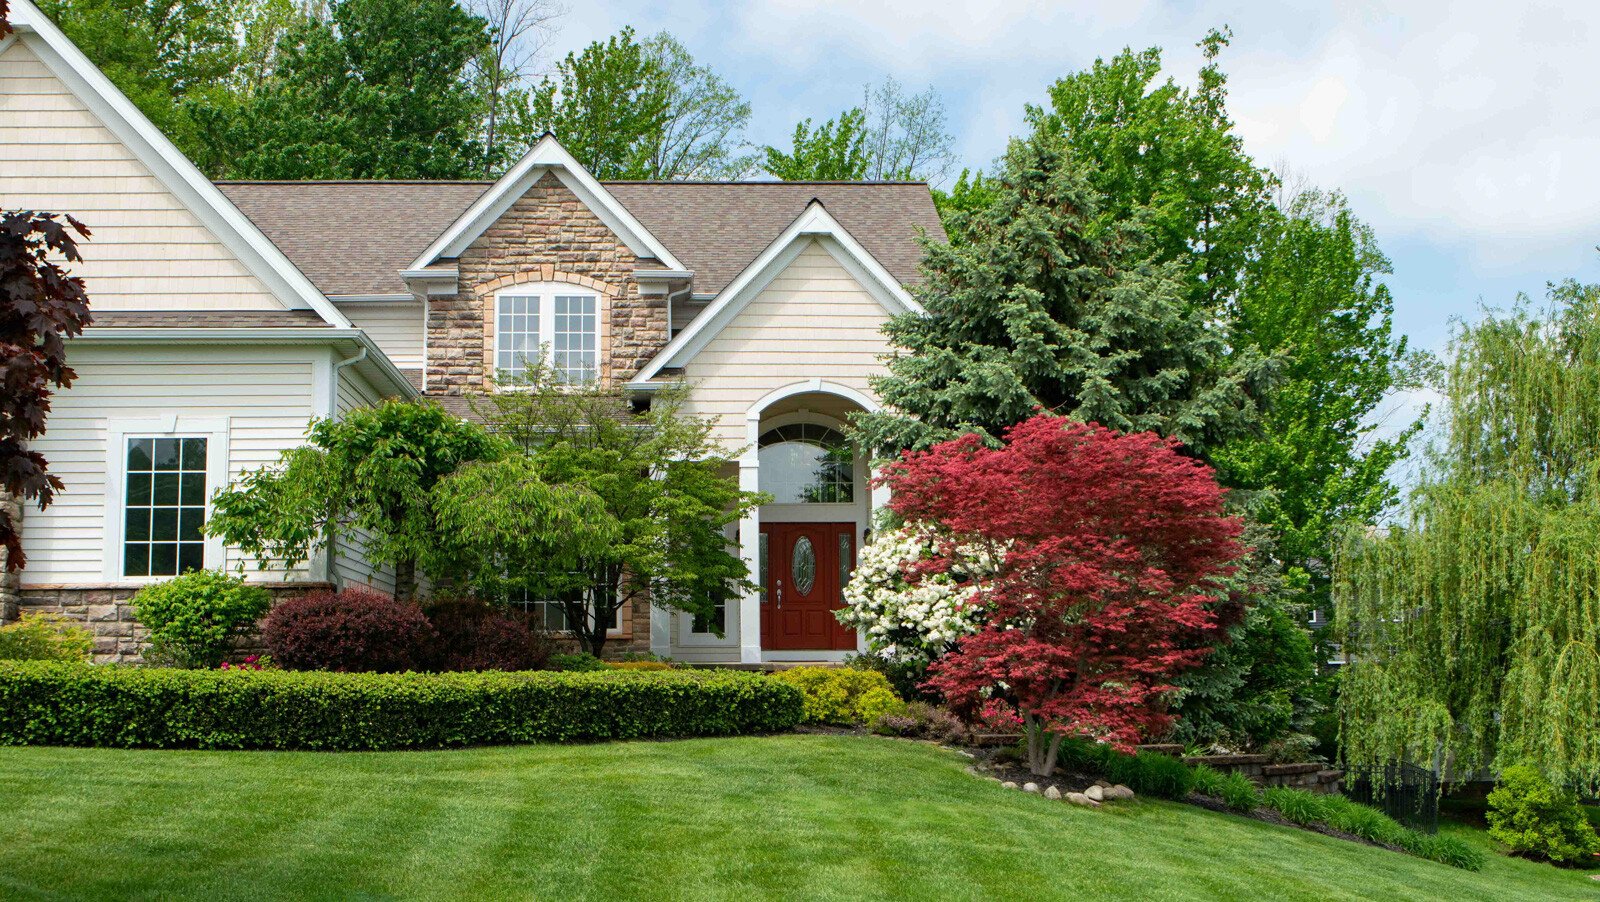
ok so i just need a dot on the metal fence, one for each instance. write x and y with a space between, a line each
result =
1405 792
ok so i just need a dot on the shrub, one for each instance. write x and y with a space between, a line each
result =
1146 773
839 695
348 630
1305 808
50 703
1535 819
1297 805
471 634
1233 788
581 662
921 720
193 619
45 637
641 665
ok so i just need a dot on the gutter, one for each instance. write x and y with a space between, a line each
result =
333 378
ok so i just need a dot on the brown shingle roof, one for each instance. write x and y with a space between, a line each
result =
353 238
207 319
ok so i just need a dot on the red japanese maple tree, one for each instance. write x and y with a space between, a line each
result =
1110 545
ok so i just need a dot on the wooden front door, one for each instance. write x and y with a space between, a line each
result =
805 568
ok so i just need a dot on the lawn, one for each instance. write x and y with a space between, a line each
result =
812 817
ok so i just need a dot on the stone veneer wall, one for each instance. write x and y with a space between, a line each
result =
548 234
10 581
107 612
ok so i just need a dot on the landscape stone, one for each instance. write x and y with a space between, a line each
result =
1030 787
1095 793
1009 785
1052 793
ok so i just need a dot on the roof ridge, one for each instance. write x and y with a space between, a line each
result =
768 183
352 182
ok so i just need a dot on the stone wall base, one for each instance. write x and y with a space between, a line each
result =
1309 775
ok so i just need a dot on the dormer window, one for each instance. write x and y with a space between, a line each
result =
556 323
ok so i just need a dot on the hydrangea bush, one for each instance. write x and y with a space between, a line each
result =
911 606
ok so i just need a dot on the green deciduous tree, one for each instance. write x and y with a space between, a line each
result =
833 151
1472 629
1038 302
907 136
608 509
365 479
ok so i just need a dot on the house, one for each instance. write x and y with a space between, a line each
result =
228 316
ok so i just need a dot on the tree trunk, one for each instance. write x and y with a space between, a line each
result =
405 579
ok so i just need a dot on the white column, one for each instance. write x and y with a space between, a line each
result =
749 615
660 631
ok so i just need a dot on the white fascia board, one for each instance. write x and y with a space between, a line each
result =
546 155
813 224
299 335
208 204
372 298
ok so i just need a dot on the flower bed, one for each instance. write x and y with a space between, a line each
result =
47 703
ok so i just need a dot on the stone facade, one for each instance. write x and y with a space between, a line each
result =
107 612
1310 775
548 234
10 580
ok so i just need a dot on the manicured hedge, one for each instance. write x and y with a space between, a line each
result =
51 703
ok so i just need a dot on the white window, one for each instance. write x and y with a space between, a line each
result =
806 463
551 614
164 505
557 323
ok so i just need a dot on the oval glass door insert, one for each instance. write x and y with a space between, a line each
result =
803 565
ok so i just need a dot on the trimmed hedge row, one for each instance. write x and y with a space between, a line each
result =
51 703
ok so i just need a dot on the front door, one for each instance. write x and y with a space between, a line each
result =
805 570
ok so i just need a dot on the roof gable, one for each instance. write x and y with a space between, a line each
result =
815 224
546 156
166 163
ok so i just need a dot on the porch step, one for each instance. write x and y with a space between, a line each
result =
771 666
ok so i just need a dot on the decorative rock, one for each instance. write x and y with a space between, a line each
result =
1030 787
1052 793
1095 793
1117 793
1009 785
1078 798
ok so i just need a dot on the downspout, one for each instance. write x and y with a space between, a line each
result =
333 402
670 295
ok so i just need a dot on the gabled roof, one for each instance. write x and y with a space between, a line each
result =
259 255
815 224
546 156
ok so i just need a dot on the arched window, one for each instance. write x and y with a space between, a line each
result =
561 321
806 463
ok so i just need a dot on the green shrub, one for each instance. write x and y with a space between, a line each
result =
1305 808
45 637
1297 805
1146 773
579 662
49 703
1535 819
193 619
840 695
641 665
1233 788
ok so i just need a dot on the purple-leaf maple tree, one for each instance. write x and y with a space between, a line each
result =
1111 547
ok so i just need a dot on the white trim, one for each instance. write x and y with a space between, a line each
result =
235 230
546 155
813 224
372 298
218 453
545 293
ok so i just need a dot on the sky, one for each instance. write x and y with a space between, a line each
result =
1466 133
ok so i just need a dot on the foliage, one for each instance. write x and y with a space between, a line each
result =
1110 548
250 662
1037 303
1536 819
841 695
1146 773
581 662
1308 808
365 479
833 151
44 637
519 31
352 630
921 720
971 192
641 665
910 618
40 307
702 136
378 89
192 620
1471 626
1232 787
907 137
628 506
74 704
470 634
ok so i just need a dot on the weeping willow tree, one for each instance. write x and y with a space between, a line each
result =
1474 628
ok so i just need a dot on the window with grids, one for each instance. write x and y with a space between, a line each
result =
549 613
560 327
806 463
164 506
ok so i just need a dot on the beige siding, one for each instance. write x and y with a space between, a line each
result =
395 328
350 565
814 321
266 396
148 252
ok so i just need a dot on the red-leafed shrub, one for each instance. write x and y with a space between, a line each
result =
350 630
1112 547
474 635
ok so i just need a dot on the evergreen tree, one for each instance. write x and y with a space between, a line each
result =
1038 302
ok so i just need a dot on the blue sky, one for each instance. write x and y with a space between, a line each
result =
1467 133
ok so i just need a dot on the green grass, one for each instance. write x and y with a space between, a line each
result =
811 817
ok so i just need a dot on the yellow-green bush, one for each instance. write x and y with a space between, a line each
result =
640 665
44 637
840 695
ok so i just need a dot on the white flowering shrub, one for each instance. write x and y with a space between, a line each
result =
912 617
